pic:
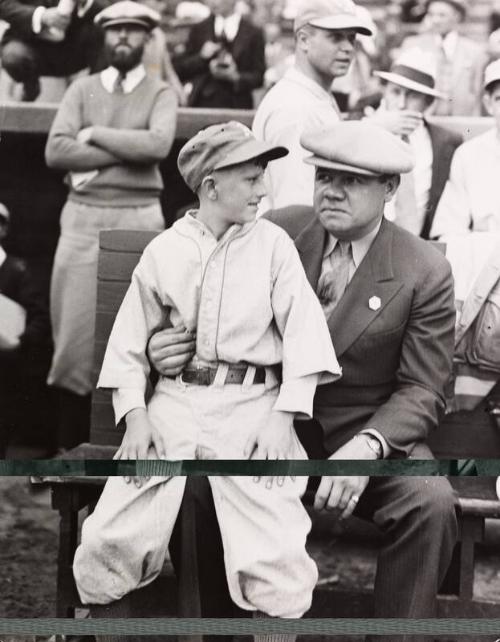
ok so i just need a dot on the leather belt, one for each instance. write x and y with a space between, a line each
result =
235 374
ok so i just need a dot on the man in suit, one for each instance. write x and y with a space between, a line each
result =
49 39
224 59
460 62
388 296
408 94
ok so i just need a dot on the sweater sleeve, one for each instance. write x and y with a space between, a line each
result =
63 151
145 146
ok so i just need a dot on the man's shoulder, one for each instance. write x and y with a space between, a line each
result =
293 219
469 46
469 149
414 255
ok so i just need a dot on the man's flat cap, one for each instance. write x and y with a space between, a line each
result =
358 147
330 14
128 12
459 5
221 146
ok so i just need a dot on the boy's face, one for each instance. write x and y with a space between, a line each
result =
239 191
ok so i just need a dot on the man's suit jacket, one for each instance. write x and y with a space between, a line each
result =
444 143
467 70
248 51
396 359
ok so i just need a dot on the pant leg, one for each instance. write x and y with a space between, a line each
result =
417 518
20 61
124 541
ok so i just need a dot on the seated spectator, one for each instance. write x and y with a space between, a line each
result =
47 39
471 198
408 94
224 59
19 356
110 132
459 61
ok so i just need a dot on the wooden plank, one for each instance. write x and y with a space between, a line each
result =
117 266
110 295
125 240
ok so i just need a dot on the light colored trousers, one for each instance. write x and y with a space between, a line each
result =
125 540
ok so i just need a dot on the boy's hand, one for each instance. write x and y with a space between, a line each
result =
274 441
170 350
139 437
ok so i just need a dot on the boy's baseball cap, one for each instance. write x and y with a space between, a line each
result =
330 14
220 146
491 73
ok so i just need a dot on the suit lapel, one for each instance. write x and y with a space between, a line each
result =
240 40
373 278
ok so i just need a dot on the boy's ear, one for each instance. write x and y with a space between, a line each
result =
209 187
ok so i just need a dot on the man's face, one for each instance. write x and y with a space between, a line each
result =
442 17
398 98
125 45
329 52
239 191
492 103
349 205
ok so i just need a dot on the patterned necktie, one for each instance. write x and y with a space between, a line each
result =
333 281
118 84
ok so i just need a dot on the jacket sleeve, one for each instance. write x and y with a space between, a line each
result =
190 63
141 314
307 346
251 75
417 403
18 15
63 151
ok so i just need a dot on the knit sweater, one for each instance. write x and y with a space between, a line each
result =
131 133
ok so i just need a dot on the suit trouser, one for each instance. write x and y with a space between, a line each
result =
417 518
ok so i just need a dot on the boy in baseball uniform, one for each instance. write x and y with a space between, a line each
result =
262 347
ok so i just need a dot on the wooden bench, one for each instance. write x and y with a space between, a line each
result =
459 436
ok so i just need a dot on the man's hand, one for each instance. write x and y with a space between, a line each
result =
340 494
139 437
9 346
52 19
170 350
84 136
228 72
273 441
400 123
210 49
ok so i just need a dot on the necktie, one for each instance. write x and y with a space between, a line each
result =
118 84
333 281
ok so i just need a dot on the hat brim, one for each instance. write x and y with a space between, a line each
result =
250 151
323 162
345 21
149 25
409 84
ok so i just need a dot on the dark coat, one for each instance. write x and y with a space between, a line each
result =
396 360
248 51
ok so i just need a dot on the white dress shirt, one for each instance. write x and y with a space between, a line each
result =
132 78
471 197
227 26
294 105
360 249
3 256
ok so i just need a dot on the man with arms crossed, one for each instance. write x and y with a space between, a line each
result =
388 297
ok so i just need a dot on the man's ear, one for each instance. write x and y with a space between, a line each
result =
391 186
302 38
487 103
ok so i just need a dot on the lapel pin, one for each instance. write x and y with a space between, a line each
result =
374 303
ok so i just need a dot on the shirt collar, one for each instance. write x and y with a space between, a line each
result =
130 82
360 246
3 256
198 227
228 25
450 43
295 75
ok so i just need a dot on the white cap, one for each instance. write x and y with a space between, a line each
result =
491 73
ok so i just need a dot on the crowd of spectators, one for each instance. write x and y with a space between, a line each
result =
406 62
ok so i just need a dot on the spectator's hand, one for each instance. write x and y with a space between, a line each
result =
210 49
8 347
170 350
52 19
274 441
84 136
401 123
228 72
340 494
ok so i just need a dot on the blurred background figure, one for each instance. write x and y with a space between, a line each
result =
408 94
471 199
459 61
224 59
24 356
47 39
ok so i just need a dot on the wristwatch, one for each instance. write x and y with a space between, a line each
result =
373 444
